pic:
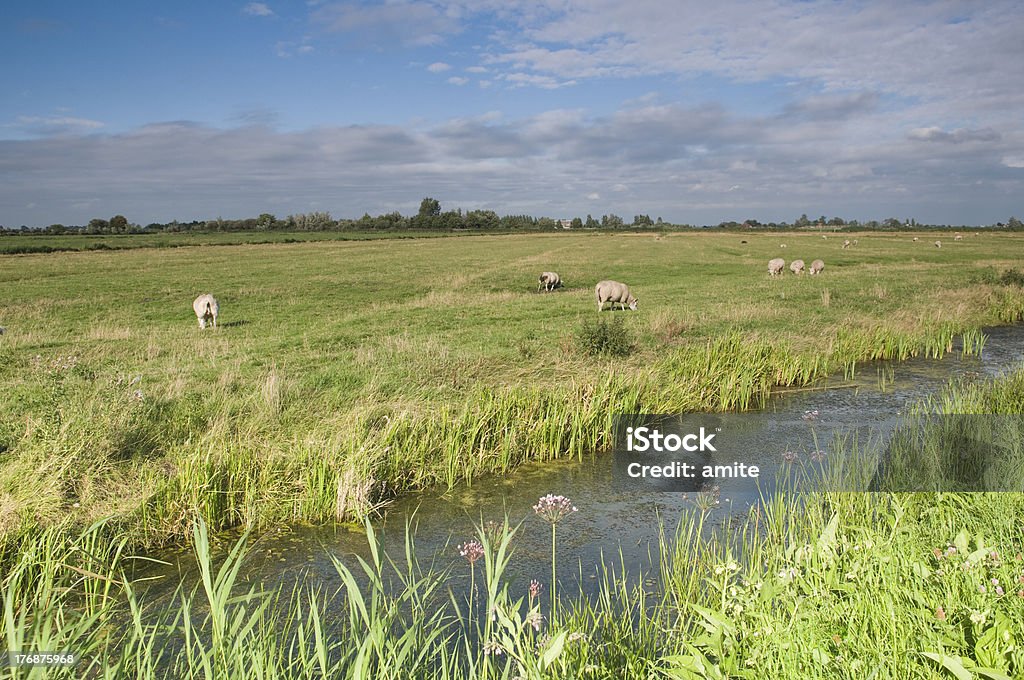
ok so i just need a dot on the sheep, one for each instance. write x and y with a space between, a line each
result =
549 281
816 267
782 245
916 239
938 244
854 241
797 267
613 291
775 266
846 243
958 237
206 309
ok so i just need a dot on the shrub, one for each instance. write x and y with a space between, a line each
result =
603 337
1012 277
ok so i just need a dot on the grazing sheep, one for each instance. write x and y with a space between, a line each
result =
743 242
797 267
775 266
846 243
549 281
816 267
958 237
782 245
854 241
206 309
613 291
824 237
916 239
938 244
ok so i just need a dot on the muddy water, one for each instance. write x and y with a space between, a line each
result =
615 523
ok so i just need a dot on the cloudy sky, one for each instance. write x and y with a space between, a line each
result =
696 112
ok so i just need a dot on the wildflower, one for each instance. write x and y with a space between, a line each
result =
838 640
535 588
1019 557
981 589
575 635
535 619
708 499
553 509
137 395
999 591
790 456
1020 593
493 648
995 581
1020 579
472 551
940 613
937 553
950 551
811 415
818 456
978 617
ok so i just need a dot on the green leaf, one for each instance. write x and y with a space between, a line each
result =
953 664
554 649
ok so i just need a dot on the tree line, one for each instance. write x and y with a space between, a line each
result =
430 217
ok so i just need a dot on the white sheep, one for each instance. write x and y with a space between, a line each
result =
846 243
549 281
938 244
775 266
958 237
816 267
916 239
206 309
797 267
613 291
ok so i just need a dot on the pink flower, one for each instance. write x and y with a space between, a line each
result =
472 551
940 613
553 509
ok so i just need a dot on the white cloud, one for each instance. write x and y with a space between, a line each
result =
439 67
258 9
458 80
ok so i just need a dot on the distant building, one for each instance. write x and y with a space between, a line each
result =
565 224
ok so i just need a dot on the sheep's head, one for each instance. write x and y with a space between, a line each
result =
633 302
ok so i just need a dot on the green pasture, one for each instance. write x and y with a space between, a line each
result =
344 372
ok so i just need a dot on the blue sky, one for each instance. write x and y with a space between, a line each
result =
695 112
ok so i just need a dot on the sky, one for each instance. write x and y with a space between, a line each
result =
696 112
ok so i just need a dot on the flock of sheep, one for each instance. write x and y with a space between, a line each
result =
776 265
606 291
206 306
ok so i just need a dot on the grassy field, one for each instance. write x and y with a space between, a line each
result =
827 585
345 372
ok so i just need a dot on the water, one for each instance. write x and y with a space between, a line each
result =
615 523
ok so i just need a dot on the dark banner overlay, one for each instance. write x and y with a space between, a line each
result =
744 454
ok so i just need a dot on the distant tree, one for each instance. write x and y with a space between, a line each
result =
802 221
891 223
56 229
577 223
481 219
97 226
119 224
1014 223
611 221
265 221
429 207
591 222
